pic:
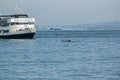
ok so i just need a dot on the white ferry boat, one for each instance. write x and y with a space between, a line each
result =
17 26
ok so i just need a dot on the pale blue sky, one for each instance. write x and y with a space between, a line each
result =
59 12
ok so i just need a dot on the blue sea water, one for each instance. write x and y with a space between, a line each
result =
89 55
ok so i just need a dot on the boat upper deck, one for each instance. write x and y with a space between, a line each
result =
14 16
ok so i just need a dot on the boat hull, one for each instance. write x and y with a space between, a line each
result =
18 36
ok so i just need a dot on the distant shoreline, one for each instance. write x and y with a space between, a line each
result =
76 30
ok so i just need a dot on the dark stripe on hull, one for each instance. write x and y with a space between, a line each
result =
19 36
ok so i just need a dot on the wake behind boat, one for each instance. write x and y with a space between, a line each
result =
17 26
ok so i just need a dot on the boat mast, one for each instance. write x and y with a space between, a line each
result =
19 10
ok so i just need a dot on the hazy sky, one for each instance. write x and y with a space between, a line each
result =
59 12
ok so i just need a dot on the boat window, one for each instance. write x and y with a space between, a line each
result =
22 23
4 23
5 31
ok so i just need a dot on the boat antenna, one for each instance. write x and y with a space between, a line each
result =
19 10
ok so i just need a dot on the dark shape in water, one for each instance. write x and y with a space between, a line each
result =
66 40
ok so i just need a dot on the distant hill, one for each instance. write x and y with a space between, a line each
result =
104 26
99 26
115 25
